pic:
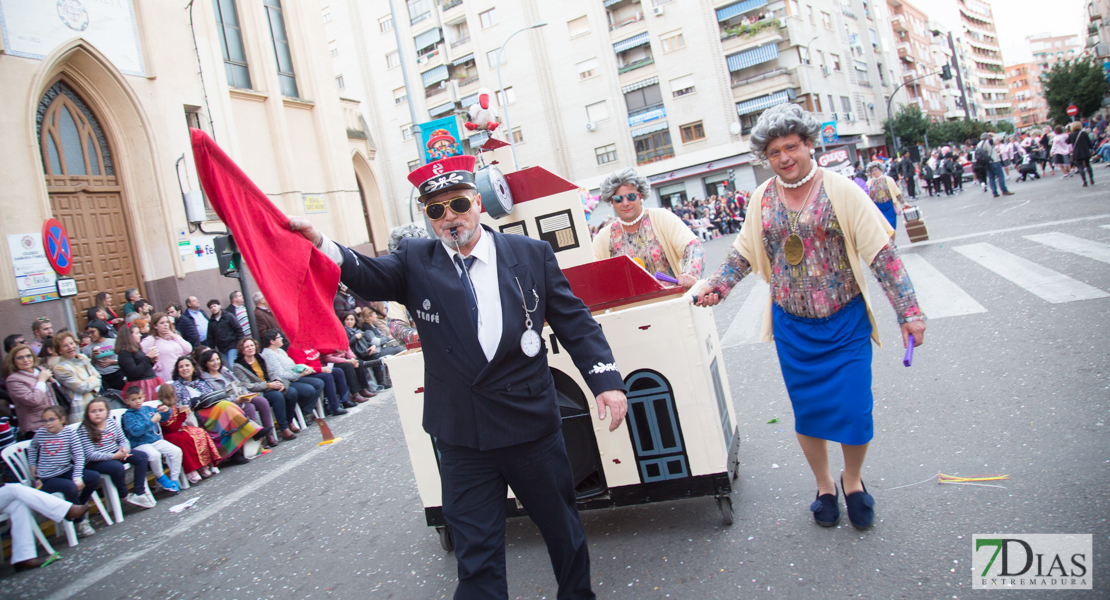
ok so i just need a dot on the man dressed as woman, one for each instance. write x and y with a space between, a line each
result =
884 193
655 236
809 233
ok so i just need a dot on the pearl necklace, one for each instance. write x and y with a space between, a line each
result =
633 222
801 181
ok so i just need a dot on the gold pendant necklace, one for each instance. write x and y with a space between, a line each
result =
794 249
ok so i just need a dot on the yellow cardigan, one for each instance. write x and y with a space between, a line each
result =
865 229
671 232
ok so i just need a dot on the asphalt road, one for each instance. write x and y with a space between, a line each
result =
1007 383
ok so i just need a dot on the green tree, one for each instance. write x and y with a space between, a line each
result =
910 125
1080 82
956 132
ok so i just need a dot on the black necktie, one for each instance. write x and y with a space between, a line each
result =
471 296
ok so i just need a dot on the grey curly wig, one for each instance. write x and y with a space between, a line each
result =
874 165
616 179
408 230
783 120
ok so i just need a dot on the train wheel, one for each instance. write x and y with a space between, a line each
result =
448 544
725 504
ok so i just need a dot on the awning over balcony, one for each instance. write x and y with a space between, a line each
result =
427 38
632 42
762 103
470 100
434 76
609 3
750 58
640 84
739 8
646 129
459 61
446 107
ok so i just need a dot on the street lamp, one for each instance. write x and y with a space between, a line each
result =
500 84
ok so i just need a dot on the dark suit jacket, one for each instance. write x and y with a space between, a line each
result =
469 401
187 328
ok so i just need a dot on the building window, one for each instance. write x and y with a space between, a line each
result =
392 59
327 17
406 131
510 95
826 20
692 132
643 99
653 147
587 68
672 41
400 96
579 26
491 58
812 15
488 18
682 86
606 154
419 10
231 43
802 57
412 165
846 104
385 24
281 48
335 51
835 61
597 112
339 82
518 137
821 58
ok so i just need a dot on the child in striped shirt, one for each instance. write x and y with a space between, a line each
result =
58 464
140 424
107 449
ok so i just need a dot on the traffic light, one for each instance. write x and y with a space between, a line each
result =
946 72
227 254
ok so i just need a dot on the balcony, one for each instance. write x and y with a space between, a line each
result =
460 42
431 58
643 158
759 33
448 5
764 83
898 23
636 18
433 92
643 62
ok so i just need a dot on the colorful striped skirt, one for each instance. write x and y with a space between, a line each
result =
228 427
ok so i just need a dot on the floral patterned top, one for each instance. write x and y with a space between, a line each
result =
879 189
823 282
643 244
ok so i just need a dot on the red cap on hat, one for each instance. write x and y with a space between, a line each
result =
454 172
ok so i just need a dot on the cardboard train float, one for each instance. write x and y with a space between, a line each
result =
680 438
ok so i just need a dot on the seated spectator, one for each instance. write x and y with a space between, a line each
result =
41 328
136 364
224 332
102 352
107 449
75 374
58 464
130 297
227 423
279 366
144 308
140 426
17 501
360 342
254 405
144 327
169 345
198 452
95 313
251 371
104 303
358 381
335 383
29 388
373 322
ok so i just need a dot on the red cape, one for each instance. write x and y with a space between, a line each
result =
297 279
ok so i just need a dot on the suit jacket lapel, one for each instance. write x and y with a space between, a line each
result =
451 299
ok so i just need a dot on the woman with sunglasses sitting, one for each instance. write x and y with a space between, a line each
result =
656 237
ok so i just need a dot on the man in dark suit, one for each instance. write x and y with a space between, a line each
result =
479 298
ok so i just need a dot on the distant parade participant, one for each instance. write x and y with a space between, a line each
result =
809 232
655 236
884 193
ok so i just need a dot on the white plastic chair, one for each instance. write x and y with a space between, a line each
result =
110 492
317 412
15 456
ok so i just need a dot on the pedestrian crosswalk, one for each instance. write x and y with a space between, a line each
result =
941 297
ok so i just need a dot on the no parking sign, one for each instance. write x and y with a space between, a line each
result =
55 241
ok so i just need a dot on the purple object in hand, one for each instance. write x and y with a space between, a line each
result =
908 358
661 276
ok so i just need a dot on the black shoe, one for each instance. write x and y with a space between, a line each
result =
861 507
996 195
826 508
338 411
348 404
262 433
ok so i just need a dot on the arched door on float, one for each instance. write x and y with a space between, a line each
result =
86 196
653 425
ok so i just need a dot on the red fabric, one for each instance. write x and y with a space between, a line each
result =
308 357
298 280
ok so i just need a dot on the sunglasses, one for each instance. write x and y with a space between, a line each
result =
619 199
459 206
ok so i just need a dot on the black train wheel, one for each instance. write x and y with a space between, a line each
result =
448 543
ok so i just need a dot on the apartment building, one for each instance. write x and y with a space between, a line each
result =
671 87
1096 19
984 66
1049 50
917 56
1029 106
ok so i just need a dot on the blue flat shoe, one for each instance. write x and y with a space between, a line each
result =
861 507
826 508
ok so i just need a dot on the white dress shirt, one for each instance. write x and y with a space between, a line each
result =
484 277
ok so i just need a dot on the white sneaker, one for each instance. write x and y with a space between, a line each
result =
84 530
143 501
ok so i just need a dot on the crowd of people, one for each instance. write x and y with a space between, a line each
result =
194 385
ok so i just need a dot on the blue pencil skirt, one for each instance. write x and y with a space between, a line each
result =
826 364
887 208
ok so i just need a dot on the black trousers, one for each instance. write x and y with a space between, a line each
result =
474 493
911 187
946 181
